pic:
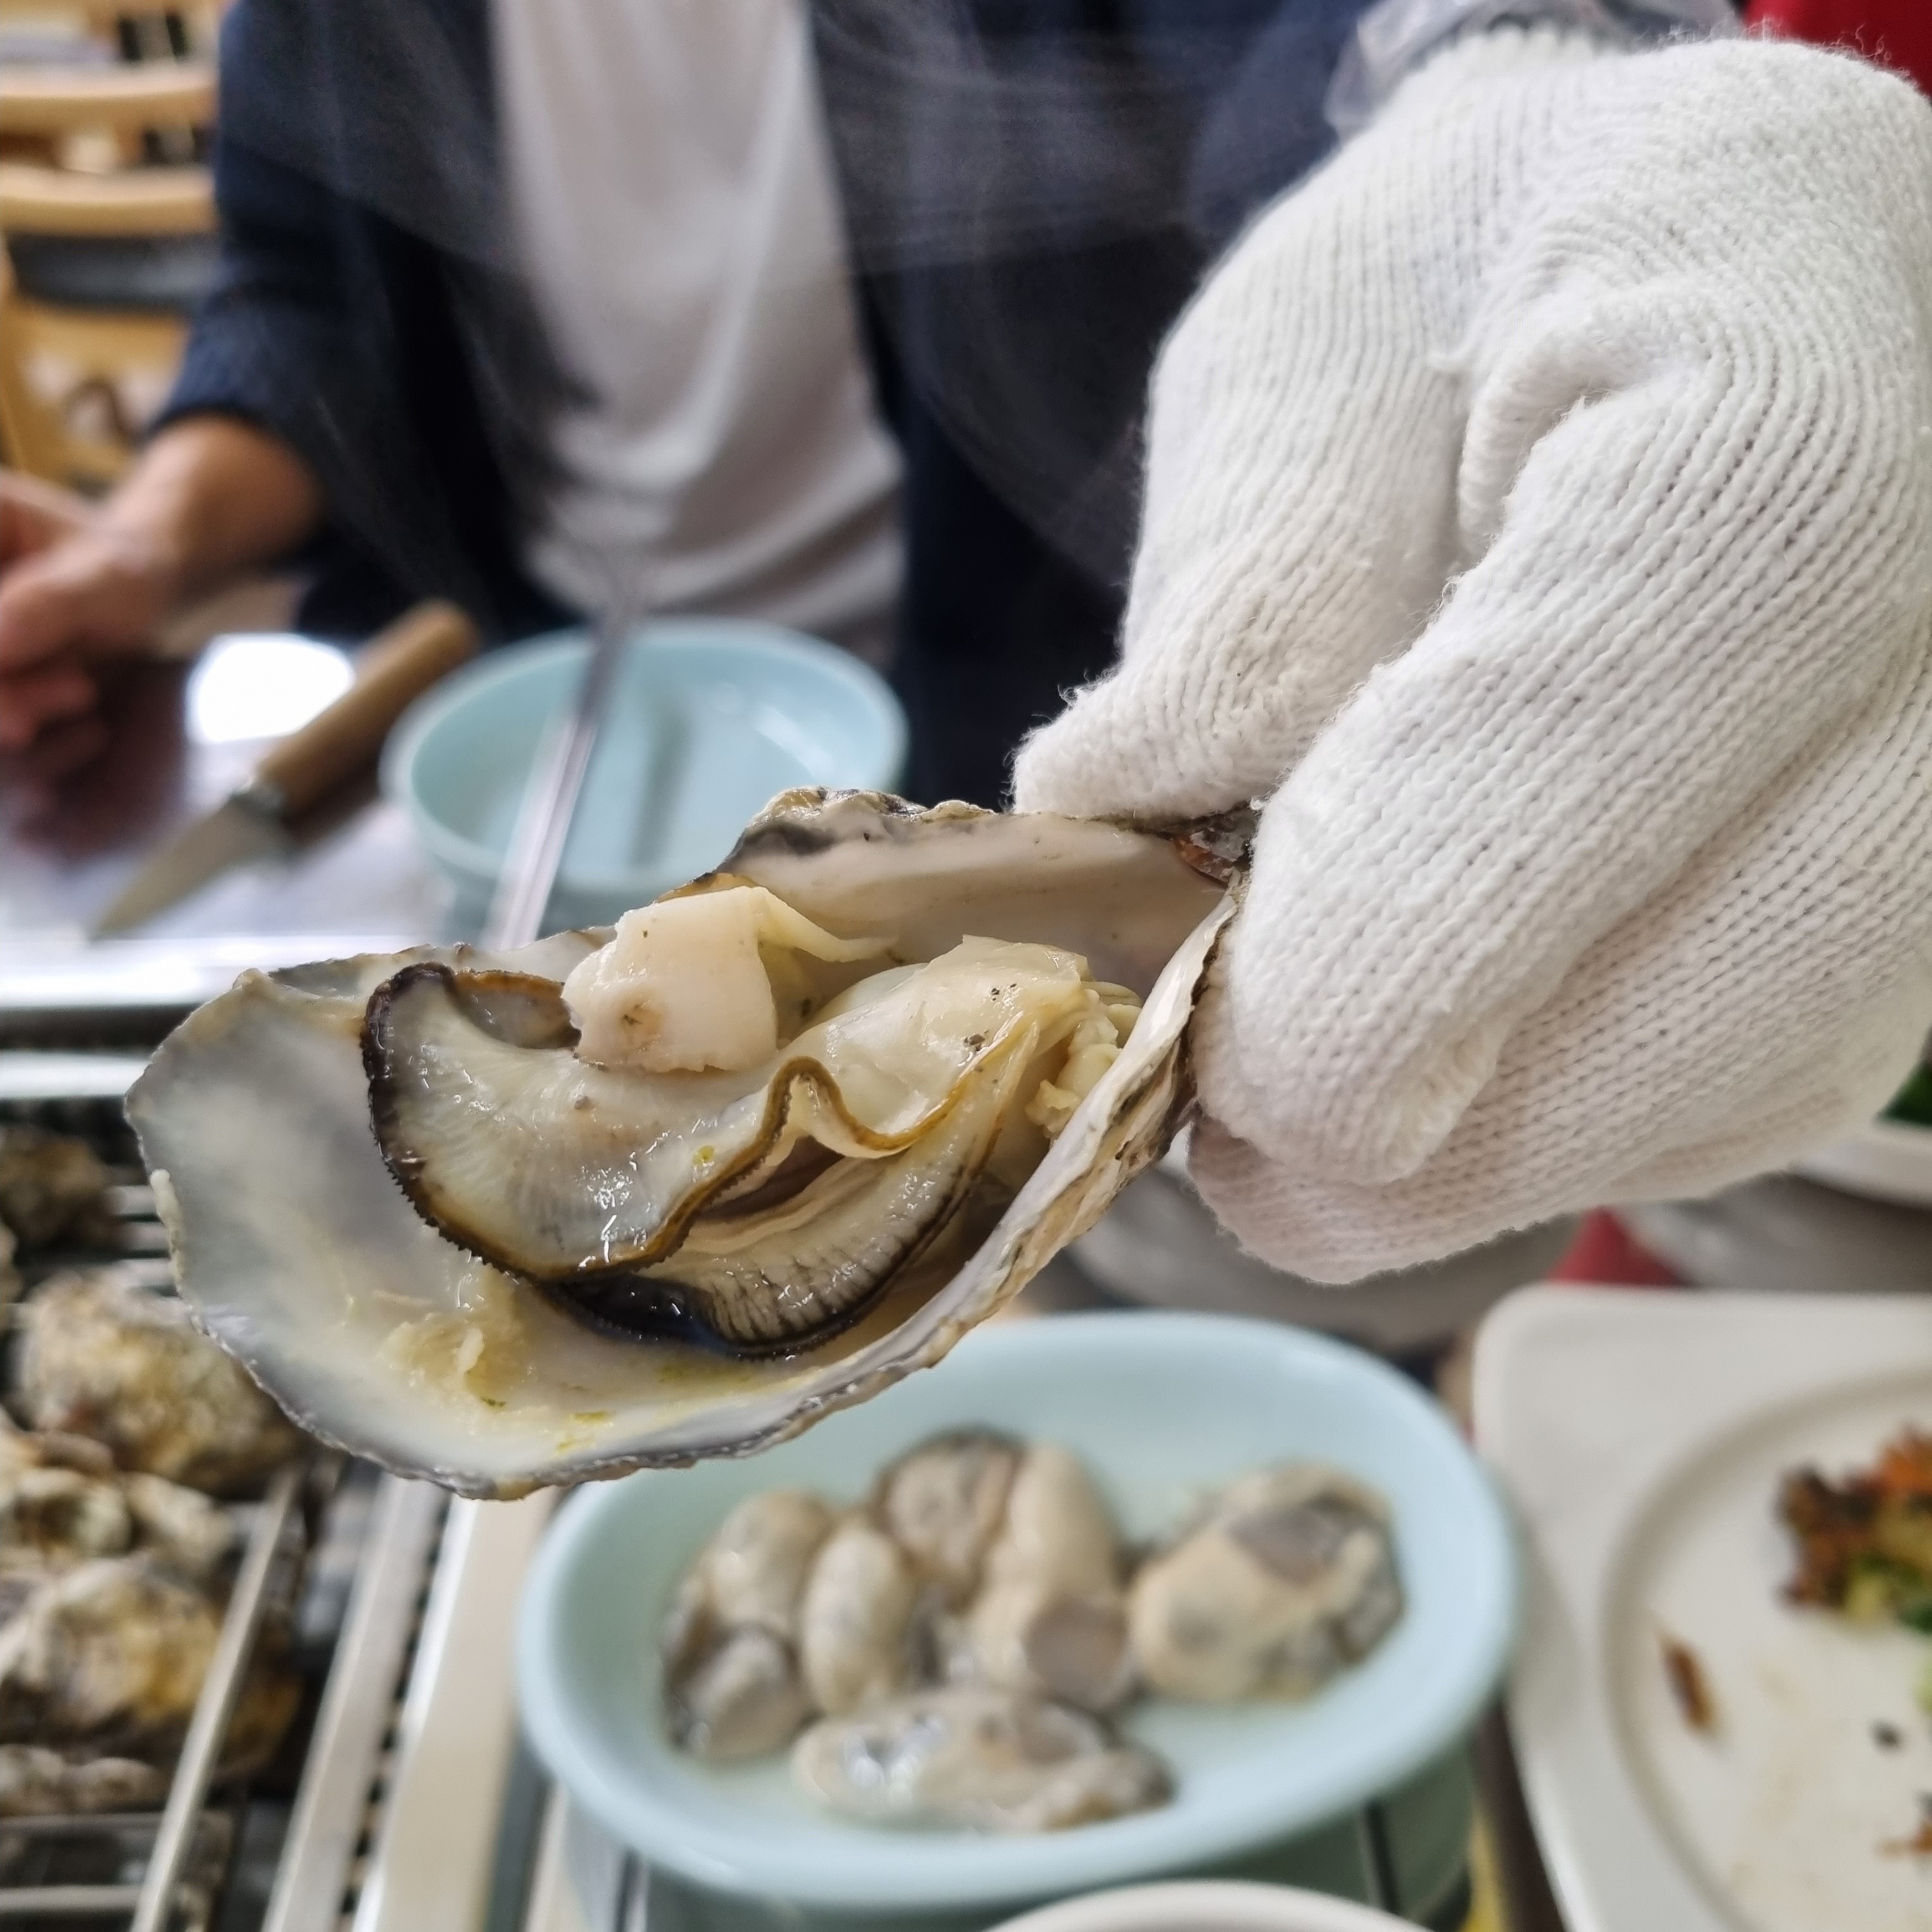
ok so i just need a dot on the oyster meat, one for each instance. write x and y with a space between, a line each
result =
52 1186
676 1190
858 1628
1291 1578
1050 1616
100 1357
111 1655
945 1502
962 1636
730 1646
987 1760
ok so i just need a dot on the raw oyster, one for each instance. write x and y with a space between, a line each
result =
853 1214
945 1501
37 1783
112 1655
101 1356
730 1645
1050 1618
1292 1577
989 1760
51 1185
857 1633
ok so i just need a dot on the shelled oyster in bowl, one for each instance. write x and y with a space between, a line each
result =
675 1192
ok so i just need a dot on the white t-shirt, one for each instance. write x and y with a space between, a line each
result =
670 181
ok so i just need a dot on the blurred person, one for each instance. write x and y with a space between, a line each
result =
1531 502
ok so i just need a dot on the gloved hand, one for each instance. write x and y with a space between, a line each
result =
1539 515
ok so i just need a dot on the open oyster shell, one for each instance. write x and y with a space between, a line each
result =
299 1253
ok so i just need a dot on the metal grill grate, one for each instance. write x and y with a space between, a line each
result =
341 1553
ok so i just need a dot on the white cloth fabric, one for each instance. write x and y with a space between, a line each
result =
671 188
1539 514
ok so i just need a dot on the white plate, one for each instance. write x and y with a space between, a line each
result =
1890 1160
1642 1436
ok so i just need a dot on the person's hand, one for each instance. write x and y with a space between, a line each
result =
1539 516
76 587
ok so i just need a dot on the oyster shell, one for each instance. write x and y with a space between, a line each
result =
987 1760
101 1356
404 1339
1291 1578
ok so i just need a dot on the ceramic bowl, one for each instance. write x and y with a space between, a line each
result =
1162 1407
1210 1907
709 719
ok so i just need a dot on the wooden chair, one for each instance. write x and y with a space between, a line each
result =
103 248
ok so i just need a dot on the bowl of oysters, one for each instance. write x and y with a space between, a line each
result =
1102 1597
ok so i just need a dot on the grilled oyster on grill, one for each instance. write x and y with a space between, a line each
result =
37 1783
51 1185
101 1356
677 1191
111 1655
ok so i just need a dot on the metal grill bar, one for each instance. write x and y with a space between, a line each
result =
247 1602
358 1708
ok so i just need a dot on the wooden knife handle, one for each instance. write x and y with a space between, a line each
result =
396 667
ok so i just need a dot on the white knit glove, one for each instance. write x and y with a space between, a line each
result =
1539 514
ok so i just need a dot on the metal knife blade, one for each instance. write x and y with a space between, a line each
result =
396 667
232 835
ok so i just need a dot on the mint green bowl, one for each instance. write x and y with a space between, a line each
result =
709 719
1160 1406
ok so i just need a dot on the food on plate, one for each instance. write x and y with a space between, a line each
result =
1291 1577
99 1356
1919 1844
962 1636
110 1656
678 1190
1689 1685
1914 1104
35 1782
51 1186
1865 1541
983 1760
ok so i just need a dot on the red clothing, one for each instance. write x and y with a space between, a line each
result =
1896 34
